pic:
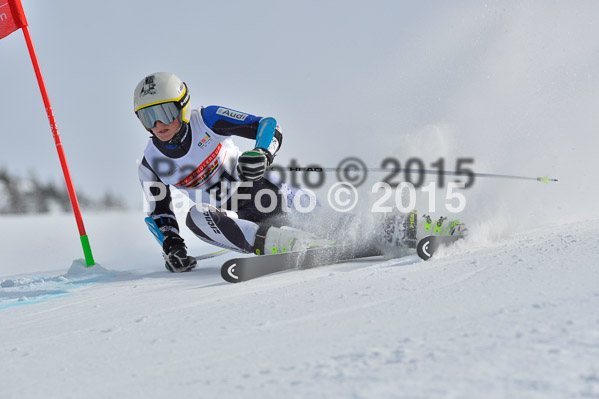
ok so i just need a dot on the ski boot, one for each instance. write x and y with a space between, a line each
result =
406 230
440 227
274 240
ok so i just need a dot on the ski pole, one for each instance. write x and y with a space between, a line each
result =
212 254
544 179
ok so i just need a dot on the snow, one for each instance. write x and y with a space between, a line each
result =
495 316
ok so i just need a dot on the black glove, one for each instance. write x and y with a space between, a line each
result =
175 255
251 165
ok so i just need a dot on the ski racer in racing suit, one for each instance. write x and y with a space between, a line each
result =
236 206
193 151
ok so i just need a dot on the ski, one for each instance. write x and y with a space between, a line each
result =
238 270
427 246
243 269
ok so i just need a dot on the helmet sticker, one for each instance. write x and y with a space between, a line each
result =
149 87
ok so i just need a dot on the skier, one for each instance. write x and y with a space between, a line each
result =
236 204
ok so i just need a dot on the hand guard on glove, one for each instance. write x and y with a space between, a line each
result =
251 165
175 256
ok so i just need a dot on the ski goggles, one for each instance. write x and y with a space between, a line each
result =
165 113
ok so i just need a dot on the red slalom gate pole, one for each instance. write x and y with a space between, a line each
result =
89 259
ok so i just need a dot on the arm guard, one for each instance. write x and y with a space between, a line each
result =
161 219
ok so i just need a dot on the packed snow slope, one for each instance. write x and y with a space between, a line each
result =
499 315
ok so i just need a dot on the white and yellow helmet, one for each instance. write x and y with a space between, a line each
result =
161 96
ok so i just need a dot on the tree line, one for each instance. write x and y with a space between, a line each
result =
30 195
